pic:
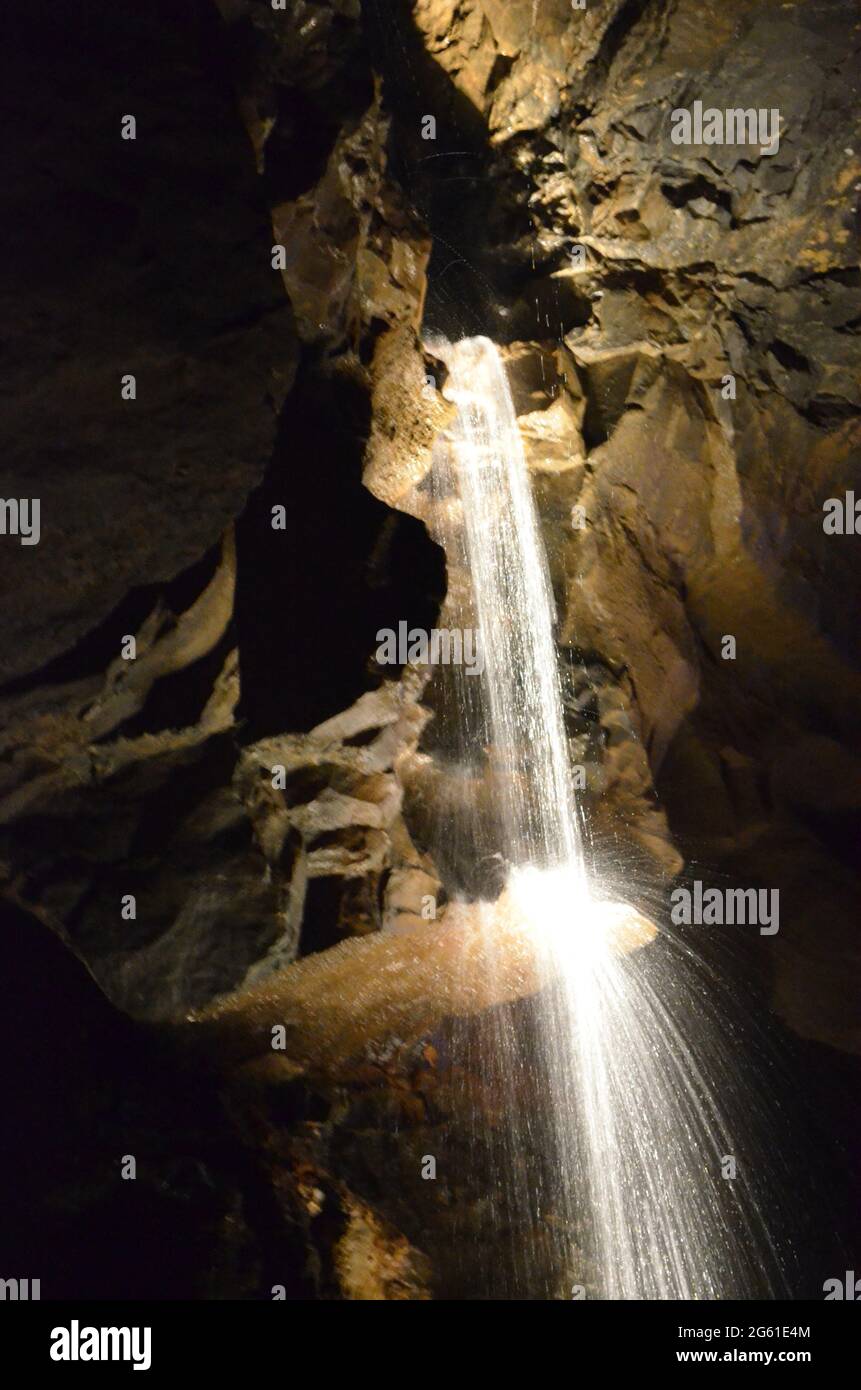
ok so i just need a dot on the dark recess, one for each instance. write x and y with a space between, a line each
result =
309 599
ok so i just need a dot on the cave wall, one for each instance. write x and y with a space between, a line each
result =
682 334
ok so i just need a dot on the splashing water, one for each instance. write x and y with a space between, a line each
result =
637 1135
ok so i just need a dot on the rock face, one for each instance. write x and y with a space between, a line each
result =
688 394
141 258
251 788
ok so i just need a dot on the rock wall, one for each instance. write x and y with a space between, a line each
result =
682 323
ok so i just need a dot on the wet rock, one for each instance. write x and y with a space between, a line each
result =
352 1000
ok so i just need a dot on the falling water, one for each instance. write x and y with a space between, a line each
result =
514 608
637 1133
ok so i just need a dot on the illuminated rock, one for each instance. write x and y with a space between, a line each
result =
396 984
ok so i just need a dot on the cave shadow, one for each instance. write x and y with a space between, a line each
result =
311 597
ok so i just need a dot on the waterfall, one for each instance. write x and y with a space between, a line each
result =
514 610
636 1201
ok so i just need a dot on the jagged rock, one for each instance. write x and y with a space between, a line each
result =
375 1262
408 413
339 794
